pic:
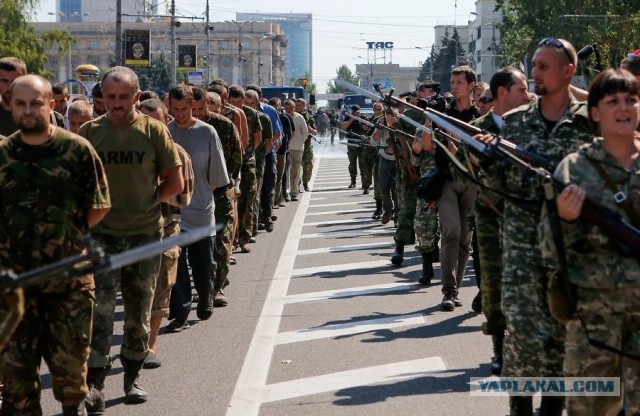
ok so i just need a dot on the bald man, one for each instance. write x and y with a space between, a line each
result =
57 322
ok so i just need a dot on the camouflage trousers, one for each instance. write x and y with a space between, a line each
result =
354 155
224 221
368 160
248 191
534 346
307 161
426 226
255 207
488 235
611 316
409 200
57 327
137 283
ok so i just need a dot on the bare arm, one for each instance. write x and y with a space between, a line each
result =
95 215
172 183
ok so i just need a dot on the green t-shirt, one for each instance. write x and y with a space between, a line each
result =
133 157
47 191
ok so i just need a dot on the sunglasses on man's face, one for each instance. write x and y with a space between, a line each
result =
485 100
556 44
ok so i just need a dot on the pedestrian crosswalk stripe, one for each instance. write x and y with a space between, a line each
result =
350 328
386 373
351 292
340 249
350 233
337 222
342 211
338 204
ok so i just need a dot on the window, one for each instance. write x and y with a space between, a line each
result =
94 60
226 62
224 45
93 45
479 32
53 61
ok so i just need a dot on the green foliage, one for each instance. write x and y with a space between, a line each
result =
19 40
155 76
612 24
345 74
438 66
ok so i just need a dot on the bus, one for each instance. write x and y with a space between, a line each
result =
365 103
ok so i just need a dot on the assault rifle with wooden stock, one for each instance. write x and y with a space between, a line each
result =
627 237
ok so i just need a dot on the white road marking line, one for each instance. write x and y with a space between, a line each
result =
338 222
336 268
387 373
340 249
344 211
347 234
336 190
246 397
338 204
351 292
350 328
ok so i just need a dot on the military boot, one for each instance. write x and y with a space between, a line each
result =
427 269
496 361
74 410
551 406
520 406
94 401
133 391
398 254
378 211
353 183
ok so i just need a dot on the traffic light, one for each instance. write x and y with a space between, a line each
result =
304 82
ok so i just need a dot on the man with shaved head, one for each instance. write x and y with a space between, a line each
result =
553 126
65 180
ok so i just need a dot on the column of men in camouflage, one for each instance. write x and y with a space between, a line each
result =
151 168
270 149
512 271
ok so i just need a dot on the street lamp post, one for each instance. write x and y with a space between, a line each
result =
240 25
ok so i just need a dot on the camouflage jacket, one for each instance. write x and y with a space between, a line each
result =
526 128
47 191
592 256
485 197
231 145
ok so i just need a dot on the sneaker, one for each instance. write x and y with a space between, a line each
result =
233 260
151 361
294 198
220 300
204 310
177 326
286 199
252 240
282 205
448 302
274 218
268 227
457 302
260 226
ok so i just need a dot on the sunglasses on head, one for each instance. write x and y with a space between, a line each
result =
556 44
485 100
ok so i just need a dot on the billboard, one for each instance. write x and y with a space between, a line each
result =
136 47
187 58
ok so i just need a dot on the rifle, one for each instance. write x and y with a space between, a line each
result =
353 136
405 135
93 260
363 145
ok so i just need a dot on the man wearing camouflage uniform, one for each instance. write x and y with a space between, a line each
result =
354 153
307 153
248 184
405 187
65 180
143 167
509 89
552 127
223 196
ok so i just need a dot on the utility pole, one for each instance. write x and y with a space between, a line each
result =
118 33
207 30
174 48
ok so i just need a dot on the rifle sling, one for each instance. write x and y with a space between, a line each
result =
619 197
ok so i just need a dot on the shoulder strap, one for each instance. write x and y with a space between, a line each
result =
619 197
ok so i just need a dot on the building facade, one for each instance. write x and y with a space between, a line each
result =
298 29
236 58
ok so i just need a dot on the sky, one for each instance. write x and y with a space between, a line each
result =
341 28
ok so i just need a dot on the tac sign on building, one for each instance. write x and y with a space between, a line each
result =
379 45
187 59
136 45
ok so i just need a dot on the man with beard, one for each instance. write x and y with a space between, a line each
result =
10 69
65 180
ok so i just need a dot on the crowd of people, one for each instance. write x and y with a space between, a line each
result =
132 168
495 211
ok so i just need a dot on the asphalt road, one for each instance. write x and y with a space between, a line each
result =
319 323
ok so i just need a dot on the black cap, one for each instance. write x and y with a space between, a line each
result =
355 108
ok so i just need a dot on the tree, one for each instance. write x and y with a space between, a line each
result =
612 24
19 40
345 74
444 61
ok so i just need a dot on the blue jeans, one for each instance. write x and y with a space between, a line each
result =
198 256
